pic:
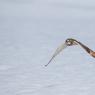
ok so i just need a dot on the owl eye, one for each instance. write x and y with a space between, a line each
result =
68 42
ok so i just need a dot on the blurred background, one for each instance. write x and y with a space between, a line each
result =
30 31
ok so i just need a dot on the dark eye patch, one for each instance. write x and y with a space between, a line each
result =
67 40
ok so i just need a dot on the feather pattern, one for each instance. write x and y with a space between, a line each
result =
71 42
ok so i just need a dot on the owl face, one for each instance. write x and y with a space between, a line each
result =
70 42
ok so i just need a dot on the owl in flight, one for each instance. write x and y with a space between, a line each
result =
71 42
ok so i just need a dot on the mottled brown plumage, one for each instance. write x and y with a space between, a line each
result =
71 42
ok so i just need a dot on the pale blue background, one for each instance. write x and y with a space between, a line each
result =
30 31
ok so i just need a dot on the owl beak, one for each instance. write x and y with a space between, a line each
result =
58 50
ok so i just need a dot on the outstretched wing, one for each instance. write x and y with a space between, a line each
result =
58 50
